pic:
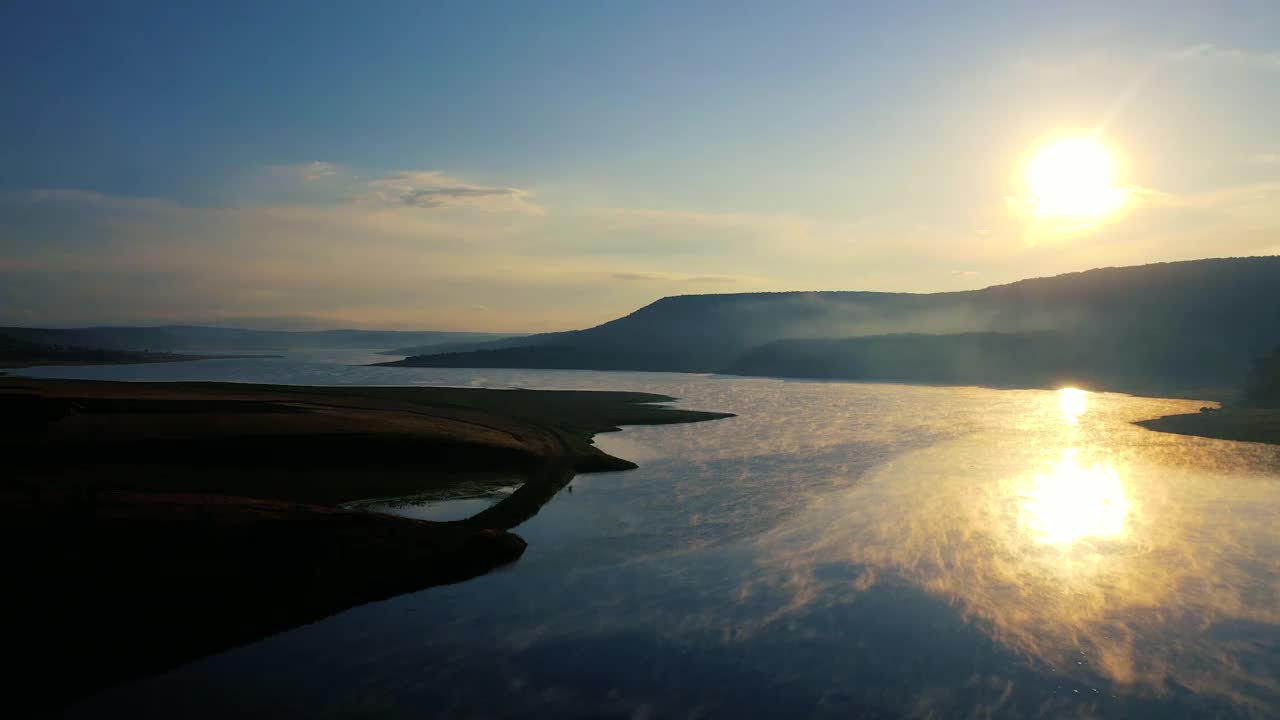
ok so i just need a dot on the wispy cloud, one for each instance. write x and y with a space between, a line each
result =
433 189
86 257
1264 59
1266 158
309 172
666 278
317 170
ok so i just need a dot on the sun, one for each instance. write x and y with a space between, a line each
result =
1073 178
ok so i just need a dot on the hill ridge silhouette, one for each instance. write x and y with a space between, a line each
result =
1173 327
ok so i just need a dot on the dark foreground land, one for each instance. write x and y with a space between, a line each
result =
1246 425
152 523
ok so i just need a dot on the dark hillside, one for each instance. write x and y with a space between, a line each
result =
1164 327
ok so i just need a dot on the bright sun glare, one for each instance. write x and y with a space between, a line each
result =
1073 402
1073 178
1071 501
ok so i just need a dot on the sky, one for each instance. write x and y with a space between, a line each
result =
521 166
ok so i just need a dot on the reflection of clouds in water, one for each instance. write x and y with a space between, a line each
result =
1066 542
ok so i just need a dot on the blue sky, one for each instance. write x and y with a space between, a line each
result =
530 166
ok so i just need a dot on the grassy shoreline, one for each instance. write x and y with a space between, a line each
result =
160 522
1243 425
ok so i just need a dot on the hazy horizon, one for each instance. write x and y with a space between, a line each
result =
304 324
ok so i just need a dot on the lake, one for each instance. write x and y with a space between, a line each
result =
836 550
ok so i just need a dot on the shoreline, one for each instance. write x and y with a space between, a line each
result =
162 522
1171 393
1257 425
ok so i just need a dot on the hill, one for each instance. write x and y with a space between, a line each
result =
1141 364
1164 328
1263 386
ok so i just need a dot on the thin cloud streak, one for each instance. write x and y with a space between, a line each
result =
664 278
1263 59
310 172
433 189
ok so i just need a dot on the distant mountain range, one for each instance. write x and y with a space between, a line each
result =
195 338
1170 328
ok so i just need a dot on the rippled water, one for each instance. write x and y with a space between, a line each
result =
836 550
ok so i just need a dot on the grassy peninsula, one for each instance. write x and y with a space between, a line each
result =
158 522
1253 415
1260 425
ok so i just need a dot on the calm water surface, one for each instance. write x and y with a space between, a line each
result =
836 550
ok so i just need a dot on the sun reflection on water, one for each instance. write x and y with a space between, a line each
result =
1066 539
1073 402
1071 502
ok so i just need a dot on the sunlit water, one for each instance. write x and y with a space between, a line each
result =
836 550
